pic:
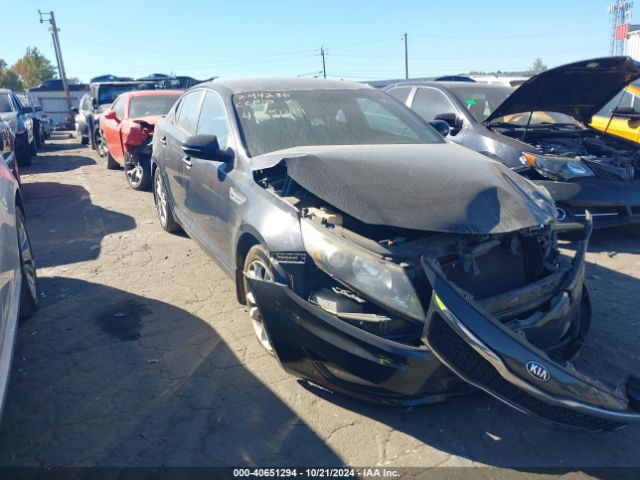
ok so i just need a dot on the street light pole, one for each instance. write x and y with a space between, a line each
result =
406 57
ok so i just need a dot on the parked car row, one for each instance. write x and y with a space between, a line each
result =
378 254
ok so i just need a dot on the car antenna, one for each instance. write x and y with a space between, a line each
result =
533 105
612 111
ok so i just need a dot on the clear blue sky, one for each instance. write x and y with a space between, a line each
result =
236 38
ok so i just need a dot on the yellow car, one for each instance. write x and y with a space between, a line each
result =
621 126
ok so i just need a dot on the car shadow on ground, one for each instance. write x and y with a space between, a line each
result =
139 383
81 237
481 429
56 163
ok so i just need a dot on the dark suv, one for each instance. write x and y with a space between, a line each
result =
20 120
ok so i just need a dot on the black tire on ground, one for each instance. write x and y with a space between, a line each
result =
258 263
33 150
29 287
23 157
137 172
38 137
163 207
84 140
95 139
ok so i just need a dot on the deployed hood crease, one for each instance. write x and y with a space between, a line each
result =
435 187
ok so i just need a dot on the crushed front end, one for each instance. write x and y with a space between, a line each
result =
380 314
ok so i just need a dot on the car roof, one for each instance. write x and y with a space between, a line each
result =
446 85
151 93
244 85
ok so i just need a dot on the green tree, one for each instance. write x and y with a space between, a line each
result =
33 68
538 66
8 79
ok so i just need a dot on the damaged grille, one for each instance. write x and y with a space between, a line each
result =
470 364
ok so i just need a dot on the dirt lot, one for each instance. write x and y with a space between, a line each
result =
140 356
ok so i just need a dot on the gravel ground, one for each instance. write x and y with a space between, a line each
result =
140 356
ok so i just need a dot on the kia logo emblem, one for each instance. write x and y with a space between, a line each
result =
538 371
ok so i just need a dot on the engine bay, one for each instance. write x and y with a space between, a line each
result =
606 156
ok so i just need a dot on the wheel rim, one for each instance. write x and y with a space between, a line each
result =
161 200
258 269
102 146
134 173
28 263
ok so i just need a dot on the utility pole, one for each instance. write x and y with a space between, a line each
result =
620 13
56 45
324 66
406 58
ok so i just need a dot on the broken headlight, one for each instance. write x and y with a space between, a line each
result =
556 168
371 275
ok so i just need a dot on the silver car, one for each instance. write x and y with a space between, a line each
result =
18 280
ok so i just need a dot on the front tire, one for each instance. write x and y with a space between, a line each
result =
29 287
23 157
165 215
137 171
257 264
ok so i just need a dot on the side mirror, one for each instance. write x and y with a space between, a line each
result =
37 108
205 147
441 126
74 110
27 109
454 122
110 115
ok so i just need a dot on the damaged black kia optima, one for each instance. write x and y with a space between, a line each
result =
369 264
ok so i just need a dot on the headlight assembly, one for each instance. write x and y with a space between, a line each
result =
383 281
556 168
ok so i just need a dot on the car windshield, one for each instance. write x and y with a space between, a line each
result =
5 104
151 105
482 100
278 120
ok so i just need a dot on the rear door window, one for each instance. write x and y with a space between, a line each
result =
400 93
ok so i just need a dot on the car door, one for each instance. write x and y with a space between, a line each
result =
111 130
179 126
209 183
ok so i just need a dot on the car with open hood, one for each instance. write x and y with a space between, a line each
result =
542 130
370 265
126 132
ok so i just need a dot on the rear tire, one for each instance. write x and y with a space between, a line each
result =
33 149
29 287
163 207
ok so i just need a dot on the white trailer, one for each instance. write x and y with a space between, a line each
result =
54 103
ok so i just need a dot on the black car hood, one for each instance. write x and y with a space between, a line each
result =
438 187
578 89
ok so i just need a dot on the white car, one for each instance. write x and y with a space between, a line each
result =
18 280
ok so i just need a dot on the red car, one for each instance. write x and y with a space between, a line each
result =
127 131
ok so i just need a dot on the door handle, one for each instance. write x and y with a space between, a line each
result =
163 140
187 161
